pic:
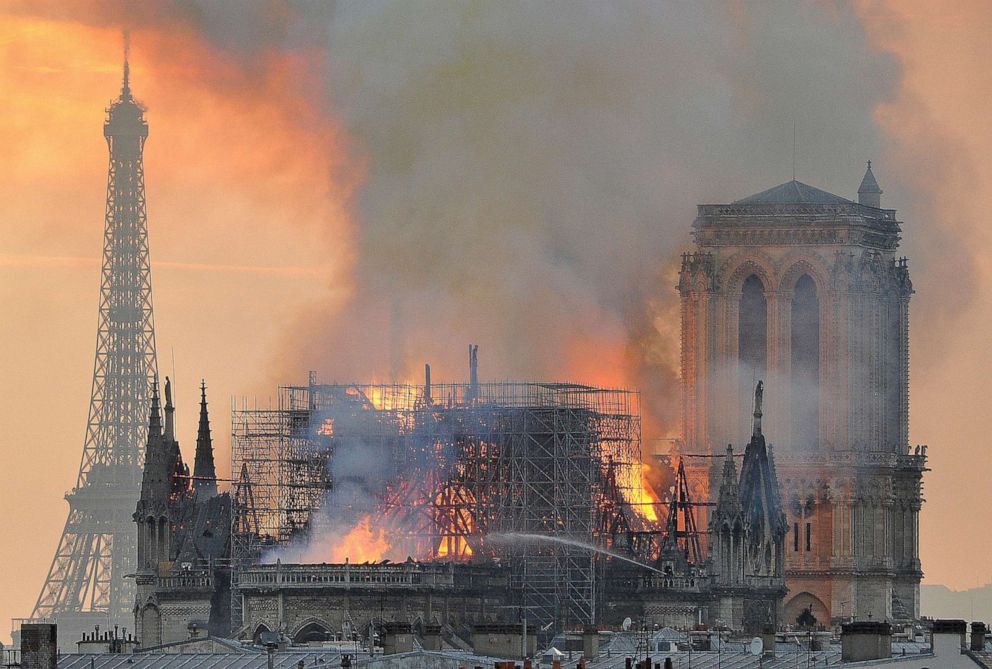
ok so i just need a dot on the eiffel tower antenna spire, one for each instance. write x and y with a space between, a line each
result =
85 584
126 87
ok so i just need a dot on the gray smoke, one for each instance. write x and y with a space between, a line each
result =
532 168
528 172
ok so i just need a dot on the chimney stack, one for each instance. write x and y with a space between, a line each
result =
865 640
978 636
948 637
39 646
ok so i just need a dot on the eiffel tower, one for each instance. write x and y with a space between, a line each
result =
86 584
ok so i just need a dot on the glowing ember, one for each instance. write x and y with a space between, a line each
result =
363 543
326 428
376 397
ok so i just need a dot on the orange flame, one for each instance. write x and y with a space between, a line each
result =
455 547
326 428
455 523
363 543
641 495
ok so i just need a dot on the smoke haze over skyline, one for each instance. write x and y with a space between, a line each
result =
361 187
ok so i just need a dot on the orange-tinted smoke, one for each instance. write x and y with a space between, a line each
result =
940 147
247 177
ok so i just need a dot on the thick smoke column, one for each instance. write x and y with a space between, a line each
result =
532 170
524 174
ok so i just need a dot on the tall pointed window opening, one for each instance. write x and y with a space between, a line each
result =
805 364
752 344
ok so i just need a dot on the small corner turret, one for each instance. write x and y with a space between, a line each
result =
869 194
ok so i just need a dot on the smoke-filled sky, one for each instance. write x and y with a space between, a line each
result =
360 187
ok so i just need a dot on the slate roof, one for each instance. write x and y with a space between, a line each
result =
232 660
311 658
793 192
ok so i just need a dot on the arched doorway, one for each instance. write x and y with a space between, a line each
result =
256 636
151 626
803 606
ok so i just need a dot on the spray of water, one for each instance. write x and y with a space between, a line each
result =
515 537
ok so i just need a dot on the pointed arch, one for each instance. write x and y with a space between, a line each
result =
260 629
739 266
151 626
806 600
311 629
797 264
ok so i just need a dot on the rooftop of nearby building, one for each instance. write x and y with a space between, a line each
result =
291 658
790 653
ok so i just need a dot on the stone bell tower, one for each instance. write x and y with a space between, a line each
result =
804 290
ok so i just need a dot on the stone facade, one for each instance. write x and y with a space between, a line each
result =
804 289
318 602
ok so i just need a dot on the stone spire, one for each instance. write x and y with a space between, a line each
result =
869 194
729 499
759 391
170 413
156 473
155 414
761 502
204 473
727 526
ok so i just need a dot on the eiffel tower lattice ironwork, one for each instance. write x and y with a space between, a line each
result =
86 582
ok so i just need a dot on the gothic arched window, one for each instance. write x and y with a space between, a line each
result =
805 364
752 345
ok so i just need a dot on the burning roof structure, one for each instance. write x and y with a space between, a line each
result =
533 474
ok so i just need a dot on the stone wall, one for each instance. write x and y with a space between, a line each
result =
313 597
166 616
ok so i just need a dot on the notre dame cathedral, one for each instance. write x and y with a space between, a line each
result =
805 290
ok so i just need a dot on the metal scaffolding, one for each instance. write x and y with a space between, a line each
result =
462 471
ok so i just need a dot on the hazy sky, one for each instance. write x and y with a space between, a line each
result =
359 187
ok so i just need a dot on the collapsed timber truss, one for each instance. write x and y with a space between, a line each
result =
460 471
